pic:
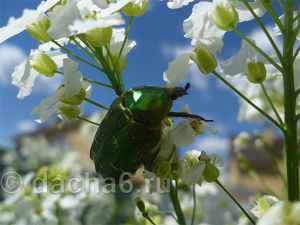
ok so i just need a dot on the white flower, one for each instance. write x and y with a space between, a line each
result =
263 204
114 7
80 16
192 168
83 26
200 28
245 14
73 84
72 78
24 75
117 39
206 189
61 17
177 70
175 4
237 64
282 213
16 26
48 106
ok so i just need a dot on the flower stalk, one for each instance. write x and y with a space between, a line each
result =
235 201
290 134
176 203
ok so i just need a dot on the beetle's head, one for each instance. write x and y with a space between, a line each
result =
178 92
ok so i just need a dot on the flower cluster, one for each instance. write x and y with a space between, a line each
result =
90 25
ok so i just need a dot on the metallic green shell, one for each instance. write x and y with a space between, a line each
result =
130 133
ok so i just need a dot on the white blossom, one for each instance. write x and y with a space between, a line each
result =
282 213
263 204
24 75
29 16
177 70
116 42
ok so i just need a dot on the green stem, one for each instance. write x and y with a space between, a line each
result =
98 83
259 50
82 48
87 120
296 53
176 204
297 93
291 151
247 100
91 81
68 51
263 27
126 37
194 205
96 103
235 201
271 104
147 217
298 117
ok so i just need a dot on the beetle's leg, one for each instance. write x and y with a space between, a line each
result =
187 115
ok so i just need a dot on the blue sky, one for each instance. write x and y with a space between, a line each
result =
159 38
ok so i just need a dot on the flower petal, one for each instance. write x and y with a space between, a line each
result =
177 70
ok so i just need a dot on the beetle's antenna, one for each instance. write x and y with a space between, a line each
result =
187 86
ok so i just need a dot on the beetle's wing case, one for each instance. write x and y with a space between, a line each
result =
122 144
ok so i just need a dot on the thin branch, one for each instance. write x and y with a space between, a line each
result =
126 37
259 50
87 120
96 104
194 205
296 53
297 93
176 203
86 51
248 100
147 217
97 82
77 57
263 27
235 201
271 104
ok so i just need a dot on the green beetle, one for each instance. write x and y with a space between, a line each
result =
130 134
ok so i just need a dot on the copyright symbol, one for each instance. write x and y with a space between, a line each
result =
11 182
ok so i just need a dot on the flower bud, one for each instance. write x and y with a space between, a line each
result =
211 172
140 204
204 59
99 36
225 16
256 72
69 111
38 30
136 8
266 3
162 169
76 99
191 158
43 64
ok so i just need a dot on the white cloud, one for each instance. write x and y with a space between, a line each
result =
26 126
213 144
10 56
